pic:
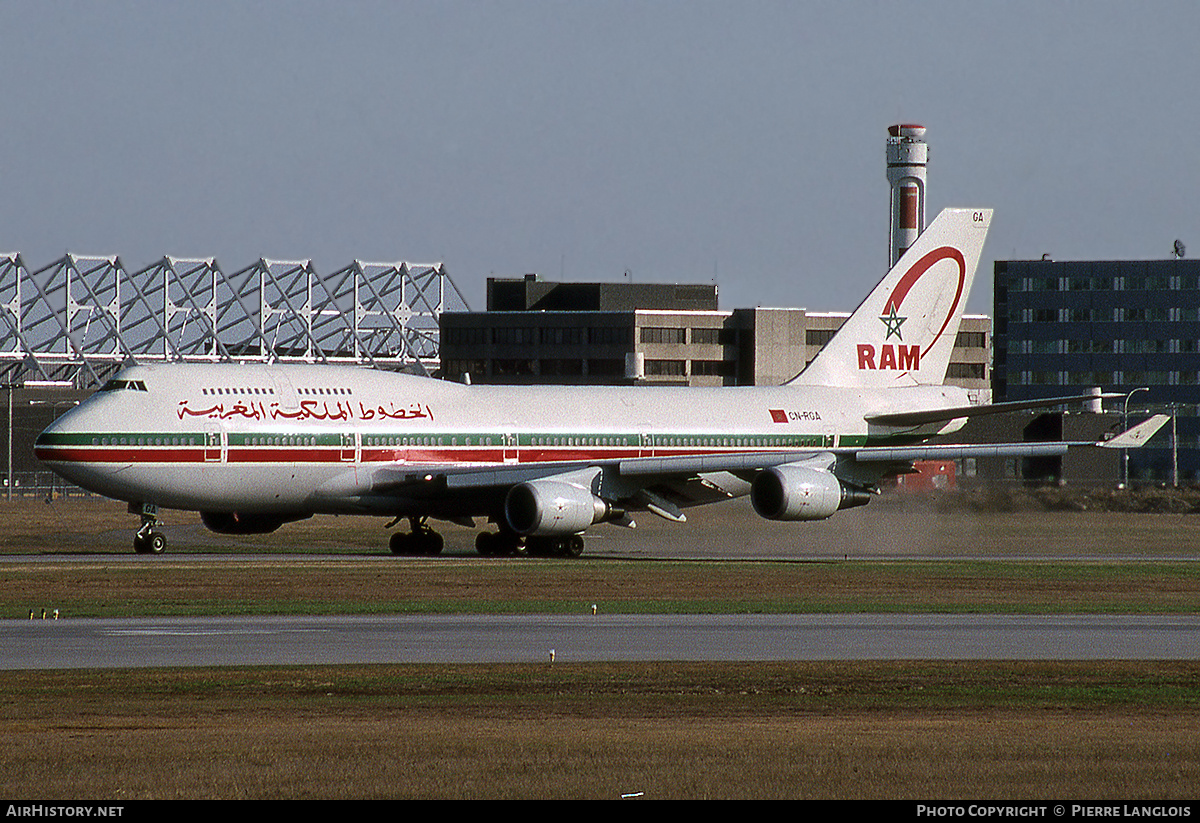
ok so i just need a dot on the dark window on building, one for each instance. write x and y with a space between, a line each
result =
509 367
971 340
819 337
1146 315
456 368
966 371
713 368
513 335
666 368
610 335
655 334
466 335
606 367
562 366
562 336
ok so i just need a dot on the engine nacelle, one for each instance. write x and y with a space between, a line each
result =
552 508
802 493
242 523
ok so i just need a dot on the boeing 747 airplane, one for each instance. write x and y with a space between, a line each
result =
252 447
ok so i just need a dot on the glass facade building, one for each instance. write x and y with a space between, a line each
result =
1063 327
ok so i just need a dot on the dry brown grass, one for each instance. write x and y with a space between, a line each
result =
903 730
950 756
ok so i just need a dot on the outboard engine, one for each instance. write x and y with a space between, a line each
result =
802 493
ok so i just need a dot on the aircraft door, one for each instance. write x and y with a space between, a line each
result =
348 447
511 454
213 445
285 393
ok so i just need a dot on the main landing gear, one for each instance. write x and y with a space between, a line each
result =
422 541
148 539
499 544
509 544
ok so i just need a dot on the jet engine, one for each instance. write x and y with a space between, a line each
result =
242 523
802 493
552 508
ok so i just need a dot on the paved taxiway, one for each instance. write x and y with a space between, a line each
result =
218 641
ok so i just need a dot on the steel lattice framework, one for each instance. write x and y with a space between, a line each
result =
82 317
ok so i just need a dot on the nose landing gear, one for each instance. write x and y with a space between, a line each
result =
148 539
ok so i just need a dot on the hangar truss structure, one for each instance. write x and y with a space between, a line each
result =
81 318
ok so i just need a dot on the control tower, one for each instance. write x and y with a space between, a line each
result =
907 155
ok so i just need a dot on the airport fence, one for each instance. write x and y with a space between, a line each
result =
43 485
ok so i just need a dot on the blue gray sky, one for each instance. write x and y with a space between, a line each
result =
677 141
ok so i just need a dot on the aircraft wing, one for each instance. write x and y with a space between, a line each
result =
665 485
921 417
1131 439
457 476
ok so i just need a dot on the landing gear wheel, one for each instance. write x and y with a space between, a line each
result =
499 544
422 541
431 543
546 546
574 546
150 543
148 539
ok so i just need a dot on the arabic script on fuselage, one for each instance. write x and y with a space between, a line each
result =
307 410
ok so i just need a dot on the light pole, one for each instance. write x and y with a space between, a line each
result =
1125 427
1174 447
11 387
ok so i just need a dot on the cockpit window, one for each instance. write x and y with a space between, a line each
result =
124 385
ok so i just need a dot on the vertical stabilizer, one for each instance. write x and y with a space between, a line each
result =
903 333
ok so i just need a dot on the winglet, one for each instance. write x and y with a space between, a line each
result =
1136 437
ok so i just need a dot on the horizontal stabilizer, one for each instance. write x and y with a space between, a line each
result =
1136 437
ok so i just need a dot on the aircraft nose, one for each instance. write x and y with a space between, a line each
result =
57 435
62 439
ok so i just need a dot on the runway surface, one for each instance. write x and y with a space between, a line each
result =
219 641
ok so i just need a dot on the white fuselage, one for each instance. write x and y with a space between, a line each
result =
294 438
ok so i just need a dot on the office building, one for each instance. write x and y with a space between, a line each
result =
1125 326
617 333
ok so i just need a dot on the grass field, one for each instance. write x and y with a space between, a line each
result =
385 585
1020 730
778 730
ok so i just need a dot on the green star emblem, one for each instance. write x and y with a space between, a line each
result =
893 324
